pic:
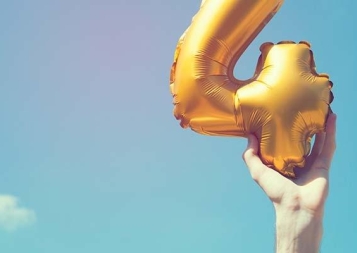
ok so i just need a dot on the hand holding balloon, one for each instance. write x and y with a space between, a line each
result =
299 203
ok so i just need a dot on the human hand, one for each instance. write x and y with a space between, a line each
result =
309 190
299 203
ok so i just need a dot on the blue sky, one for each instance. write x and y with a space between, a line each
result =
92 159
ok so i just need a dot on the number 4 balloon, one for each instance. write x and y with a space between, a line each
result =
284 104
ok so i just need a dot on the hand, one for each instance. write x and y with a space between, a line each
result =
299 203
309 190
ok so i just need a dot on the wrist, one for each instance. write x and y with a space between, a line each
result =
297 230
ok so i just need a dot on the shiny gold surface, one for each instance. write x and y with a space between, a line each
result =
283 104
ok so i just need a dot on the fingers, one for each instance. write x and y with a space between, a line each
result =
316 149
329 146
318 144
251 158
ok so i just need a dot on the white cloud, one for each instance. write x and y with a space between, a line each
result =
12 216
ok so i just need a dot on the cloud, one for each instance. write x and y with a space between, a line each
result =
12 216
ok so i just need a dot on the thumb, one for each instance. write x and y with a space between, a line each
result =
251 150
251 158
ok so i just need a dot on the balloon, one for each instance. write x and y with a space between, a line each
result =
284 104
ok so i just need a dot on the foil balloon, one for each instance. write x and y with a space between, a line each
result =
284 104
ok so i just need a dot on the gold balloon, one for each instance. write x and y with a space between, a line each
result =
284 104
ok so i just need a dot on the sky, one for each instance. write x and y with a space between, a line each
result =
92 159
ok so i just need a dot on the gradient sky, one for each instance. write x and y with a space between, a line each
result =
92 159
